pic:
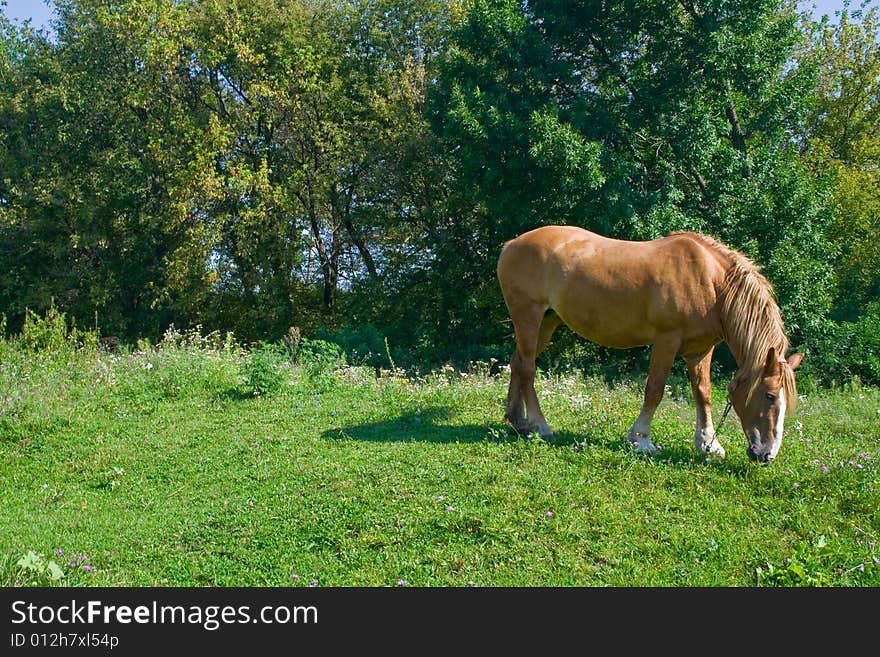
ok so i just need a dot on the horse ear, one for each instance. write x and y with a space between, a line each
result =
794 360
771 366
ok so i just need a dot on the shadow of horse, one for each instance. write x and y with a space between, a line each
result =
436 425
427 425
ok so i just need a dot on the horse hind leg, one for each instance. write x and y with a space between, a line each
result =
533 328
514 411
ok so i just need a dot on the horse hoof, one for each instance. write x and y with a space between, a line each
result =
642 445
540 430
544 431
712 451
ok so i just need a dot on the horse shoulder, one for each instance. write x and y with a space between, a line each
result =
692 254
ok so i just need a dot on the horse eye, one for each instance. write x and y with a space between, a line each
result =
771 398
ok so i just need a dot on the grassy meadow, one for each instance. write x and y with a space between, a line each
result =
196 462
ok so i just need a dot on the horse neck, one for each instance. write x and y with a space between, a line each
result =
749 365
751 335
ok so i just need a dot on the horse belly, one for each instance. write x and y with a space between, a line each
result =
605 312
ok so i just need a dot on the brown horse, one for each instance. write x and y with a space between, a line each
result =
681 294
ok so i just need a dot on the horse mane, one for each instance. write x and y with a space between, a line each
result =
750 318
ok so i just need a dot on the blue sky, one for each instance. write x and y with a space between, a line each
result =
19 10
40 11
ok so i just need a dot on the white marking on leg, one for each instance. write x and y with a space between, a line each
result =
639 435
705 440
780 422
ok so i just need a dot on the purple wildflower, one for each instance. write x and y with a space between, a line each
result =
449 507
294 576
796 484
440 498
313 583
549 514
88 568
824 468
59 552
401 582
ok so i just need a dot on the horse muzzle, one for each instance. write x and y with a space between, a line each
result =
758 456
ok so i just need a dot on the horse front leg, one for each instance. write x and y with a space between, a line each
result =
705 441
662 357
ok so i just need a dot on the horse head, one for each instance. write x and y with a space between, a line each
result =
761 400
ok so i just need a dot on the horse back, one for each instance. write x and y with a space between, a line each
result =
615 292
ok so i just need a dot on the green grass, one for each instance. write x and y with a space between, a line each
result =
163 468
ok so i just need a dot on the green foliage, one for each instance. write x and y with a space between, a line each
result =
51 333
261 164
37 570
808 566
844 146
265 369
182 363
633 120
320 356
362 345
193 157
847 350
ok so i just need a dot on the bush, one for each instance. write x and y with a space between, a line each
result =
265 368
319 356
842 351
52 333
362 345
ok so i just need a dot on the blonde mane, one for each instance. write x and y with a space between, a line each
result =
750 320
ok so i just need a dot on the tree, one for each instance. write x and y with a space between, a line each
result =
210 162
635 119
842 142
105 137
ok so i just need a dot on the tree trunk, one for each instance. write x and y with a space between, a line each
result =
361 246
737 135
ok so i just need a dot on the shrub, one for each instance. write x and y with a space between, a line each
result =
842 351
52 333
265 368
319 356
362 345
